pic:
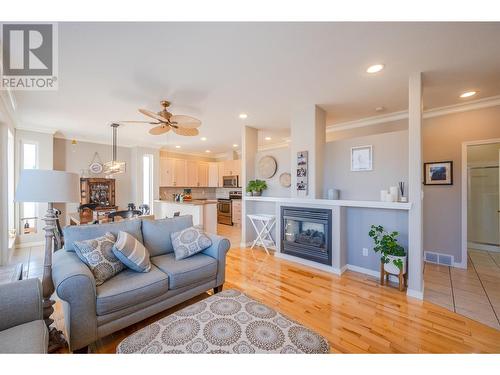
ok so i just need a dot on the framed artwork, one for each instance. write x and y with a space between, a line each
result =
361 158
302 174
438 173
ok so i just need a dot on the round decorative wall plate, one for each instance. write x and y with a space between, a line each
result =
285 179
267 167
95 168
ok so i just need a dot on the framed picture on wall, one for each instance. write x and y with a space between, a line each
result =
361 158
438 173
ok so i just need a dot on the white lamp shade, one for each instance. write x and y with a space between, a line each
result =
38 185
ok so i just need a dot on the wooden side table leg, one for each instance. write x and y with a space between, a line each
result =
382 274
401 281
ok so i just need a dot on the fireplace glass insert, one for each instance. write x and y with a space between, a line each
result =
307 233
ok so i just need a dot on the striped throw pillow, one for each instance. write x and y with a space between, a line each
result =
131 252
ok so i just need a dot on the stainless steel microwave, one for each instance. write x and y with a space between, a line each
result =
230 181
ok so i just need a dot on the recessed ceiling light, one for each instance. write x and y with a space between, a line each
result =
177 146
379 109
375 68
203 138
243 116
235 145
468 94
267 138
207 151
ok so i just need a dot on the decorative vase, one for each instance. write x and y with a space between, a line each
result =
290 237
249 194
257 193
391 267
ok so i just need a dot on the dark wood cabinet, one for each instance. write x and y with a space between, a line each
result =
100 191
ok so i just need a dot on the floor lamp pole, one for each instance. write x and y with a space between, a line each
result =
56 337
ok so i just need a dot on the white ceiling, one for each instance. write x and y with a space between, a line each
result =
214 71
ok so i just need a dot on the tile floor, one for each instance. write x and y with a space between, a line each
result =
474 292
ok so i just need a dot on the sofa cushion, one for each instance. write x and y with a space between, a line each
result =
189 241
98 254
74 233
129 288
187 271
29 337
131 252
157 233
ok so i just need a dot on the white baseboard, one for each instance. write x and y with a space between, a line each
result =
478 246
369 272
305 262
29 244
415 294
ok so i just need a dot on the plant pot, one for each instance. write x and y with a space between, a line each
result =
249 194
257 193
391 267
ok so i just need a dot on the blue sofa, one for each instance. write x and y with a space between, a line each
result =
92 312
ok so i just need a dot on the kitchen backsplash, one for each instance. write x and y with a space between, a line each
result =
197 192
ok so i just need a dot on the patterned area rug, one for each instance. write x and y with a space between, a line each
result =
228 322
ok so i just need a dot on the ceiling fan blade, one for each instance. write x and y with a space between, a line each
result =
185 121
159 130
139 122
153 115
190 132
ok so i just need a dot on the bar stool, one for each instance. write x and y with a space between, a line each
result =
266 224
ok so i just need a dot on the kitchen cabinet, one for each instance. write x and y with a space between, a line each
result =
236 212
202 174
167 172
213 174
192 173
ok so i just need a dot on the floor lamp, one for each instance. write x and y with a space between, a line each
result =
48 186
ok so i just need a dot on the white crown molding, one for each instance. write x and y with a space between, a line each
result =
273 146
37 129
491 101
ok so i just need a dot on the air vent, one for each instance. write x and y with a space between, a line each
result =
438 258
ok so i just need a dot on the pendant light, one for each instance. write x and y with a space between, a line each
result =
114 167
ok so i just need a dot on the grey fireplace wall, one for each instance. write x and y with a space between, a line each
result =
358 222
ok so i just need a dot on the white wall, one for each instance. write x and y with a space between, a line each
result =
76 158
282 157
390 165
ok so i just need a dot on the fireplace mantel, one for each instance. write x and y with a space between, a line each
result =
329 202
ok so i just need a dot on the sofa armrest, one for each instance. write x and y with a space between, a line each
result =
75 286
218 250
20 302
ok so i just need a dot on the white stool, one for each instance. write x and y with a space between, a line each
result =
264 238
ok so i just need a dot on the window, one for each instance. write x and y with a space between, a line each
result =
29 160
10 183
147 180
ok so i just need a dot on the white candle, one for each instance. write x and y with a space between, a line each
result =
383 195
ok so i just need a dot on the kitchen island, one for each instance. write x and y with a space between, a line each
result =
204 212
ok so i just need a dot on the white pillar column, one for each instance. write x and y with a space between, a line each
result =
249 145
415 193
308 133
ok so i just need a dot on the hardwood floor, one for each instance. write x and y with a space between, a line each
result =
353 312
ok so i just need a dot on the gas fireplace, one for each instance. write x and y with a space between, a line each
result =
307 233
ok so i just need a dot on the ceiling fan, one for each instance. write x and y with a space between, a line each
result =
166 121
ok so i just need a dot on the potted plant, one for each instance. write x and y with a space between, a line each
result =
392 254
250 187
256 187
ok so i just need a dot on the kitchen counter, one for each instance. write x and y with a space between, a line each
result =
204 212
194 202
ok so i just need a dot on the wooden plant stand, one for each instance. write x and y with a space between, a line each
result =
403 278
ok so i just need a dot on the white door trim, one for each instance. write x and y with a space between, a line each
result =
463 263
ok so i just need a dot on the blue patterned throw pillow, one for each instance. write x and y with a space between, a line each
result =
188 242
98 255
131 252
